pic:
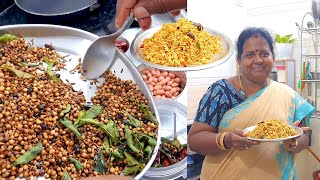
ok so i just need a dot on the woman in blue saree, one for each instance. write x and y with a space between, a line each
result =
230 105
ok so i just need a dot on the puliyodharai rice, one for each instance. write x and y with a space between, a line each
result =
181 44
272 129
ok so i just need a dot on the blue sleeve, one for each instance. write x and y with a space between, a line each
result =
210 108
302 109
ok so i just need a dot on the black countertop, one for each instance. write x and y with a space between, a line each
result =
99 22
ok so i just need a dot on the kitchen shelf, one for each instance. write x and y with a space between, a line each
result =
311 81
311 58
310 30
310 55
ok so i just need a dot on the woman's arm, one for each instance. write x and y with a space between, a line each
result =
202 139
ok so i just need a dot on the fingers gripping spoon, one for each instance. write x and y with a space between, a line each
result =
101 52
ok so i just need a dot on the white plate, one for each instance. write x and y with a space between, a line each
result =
251 128
227 50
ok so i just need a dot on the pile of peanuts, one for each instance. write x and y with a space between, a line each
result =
161 83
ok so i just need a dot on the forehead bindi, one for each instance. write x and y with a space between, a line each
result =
255 43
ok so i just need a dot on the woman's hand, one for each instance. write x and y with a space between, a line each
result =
237 140
143 9
291 144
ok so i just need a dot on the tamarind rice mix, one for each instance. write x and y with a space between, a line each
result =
181 44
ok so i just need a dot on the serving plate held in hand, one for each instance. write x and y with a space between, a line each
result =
227 50
251 128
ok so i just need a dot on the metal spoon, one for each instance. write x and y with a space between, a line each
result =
174 118
101 52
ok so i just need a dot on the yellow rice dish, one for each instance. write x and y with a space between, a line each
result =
181 44
272 129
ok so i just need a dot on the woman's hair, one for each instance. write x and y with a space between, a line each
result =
252 31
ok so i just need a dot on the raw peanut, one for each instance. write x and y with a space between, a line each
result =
155 92
168 88
160 92
153 72
150 87
171 75
173 90
175 85
144 77
157 87
163 82
145 71
150 79
153 84
163 96
168 78
158 74
155 79
164 73
176 94
168 94
177 80
178 89
170 83
161 78
149 75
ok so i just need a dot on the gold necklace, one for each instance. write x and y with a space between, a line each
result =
241 93
240 82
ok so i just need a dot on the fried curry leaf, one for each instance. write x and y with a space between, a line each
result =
113 132
167 153
28 64
49 70
132 121
133 165
19 73
76 163
68 109
130 141
99 163
148 114
176 143
148 150
70 126
131 170
109 129
106 145
29 155
7 38
66 176
118 154
80 116
94 111
151 140
198 45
